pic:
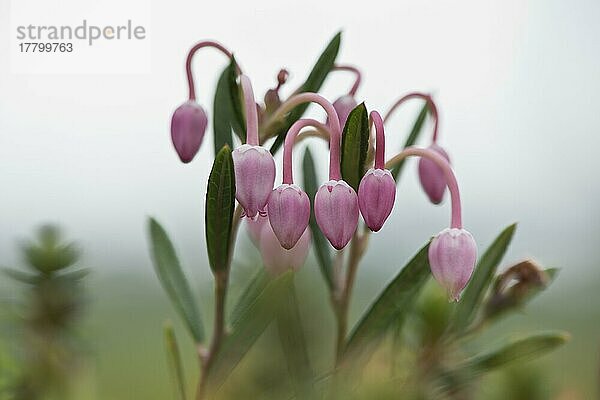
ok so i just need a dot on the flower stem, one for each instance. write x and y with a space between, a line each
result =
190 56
290 140
356 71
251 112
380 140
430 103
219 333
456 217
333 124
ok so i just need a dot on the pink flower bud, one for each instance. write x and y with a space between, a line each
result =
254 177
343 106
336 212
289 212
188 125
278 260
452 256
376 195
432 176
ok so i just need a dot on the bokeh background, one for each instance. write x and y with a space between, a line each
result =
516 83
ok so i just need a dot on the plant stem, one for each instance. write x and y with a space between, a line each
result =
219 333
343 300
221 280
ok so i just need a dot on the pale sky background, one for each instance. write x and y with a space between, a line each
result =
516 83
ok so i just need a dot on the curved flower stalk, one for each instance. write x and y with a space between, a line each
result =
336 203
289 206
253 164
453 251
377 189
346 103
188 123
430 174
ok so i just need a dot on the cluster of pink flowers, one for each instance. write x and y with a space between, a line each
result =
284 241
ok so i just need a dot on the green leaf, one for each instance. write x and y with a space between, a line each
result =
321 245
21 276
220 202
355 144
313 83
174 361
256 285
412 138
517 351
228 111
291 336
173 281
390 307
247 329
473 295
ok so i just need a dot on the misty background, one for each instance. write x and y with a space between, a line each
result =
516 83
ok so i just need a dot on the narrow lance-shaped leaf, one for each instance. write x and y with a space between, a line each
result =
247 329
484 272
355 145
224 114
412 138
291 336
517 351
220 199
313 83
174 361
321 245
390 307
173 281
238 122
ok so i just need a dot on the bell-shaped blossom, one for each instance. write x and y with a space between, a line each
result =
188 126
452 256
376 195
336 212
432 176
278 260
254 177
343 106
289 212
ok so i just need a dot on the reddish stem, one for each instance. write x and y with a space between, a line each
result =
356 71
188 62
430 103
379 140
251 112
290 139
456 217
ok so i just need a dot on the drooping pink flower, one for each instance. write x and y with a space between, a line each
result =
289 212
376 195
278 260
188 123
343 106
452 256
254 165
336 212
432 177
254 178
188 126
377 189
